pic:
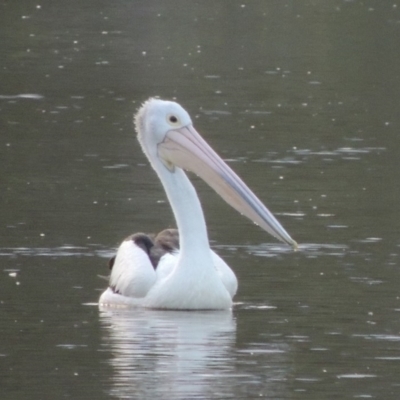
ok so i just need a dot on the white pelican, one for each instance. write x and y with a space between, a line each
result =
189 276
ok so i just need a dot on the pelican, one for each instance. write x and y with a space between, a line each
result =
179 270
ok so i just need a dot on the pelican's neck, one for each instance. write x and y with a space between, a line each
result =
187 210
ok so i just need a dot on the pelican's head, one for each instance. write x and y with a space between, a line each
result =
166 133
156 118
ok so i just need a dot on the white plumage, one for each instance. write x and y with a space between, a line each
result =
172 272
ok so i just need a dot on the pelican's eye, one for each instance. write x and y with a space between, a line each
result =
173 120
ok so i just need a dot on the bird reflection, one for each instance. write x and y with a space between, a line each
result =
175 354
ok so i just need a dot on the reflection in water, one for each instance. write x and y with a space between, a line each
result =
184 354
196 354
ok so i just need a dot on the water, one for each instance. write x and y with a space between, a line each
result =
301 98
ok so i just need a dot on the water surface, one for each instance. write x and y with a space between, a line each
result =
300 98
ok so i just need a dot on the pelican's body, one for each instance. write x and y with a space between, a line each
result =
142 260
191 275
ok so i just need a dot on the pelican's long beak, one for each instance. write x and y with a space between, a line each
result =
186 149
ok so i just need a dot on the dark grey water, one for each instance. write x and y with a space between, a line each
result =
301 98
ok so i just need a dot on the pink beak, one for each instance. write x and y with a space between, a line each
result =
186 149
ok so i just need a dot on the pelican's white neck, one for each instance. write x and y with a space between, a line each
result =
151 125
187 210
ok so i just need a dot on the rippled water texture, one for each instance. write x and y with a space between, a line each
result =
300 98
